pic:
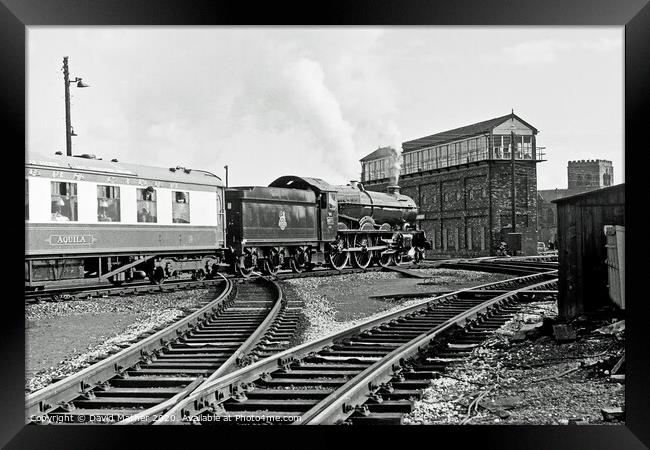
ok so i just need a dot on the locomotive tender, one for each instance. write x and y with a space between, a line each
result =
92 219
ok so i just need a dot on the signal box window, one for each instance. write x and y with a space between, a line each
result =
147 206
108 203
180 207
64 201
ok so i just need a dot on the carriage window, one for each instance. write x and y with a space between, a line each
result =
180 207
108 203
147 211
64 201
26 199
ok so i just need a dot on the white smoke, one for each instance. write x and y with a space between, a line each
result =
394 137
306 106
319 111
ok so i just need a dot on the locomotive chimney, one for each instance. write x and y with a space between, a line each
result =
354 183
393 189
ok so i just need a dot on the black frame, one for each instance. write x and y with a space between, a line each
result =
15 15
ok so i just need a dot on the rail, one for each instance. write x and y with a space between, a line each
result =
341 403
235 384
93 384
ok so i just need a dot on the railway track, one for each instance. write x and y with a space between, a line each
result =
368 373
99 290
94 290
144 379
516 266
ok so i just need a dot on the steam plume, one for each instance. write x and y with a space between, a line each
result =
319 111
394 166
395 159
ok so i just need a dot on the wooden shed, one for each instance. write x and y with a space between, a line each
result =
582 252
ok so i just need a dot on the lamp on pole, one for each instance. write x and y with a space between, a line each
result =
69 132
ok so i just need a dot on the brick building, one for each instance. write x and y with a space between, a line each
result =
582 176
461 180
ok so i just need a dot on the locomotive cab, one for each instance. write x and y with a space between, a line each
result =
326 201
328 213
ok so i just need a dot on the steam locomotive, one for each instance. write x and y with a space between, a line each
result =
88 218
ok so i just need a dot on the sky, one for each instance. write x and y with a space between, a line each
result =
312 101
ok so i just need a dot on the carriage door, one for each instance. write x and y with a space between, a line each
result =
328 216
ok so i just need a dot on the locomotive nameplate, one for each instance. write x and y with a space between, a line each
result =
71 239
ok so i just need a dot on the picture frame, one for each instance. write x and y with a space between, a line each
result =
634 15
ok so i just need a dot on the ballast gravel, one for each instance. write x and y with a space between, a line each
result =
535 382
497 373
63 338
335 303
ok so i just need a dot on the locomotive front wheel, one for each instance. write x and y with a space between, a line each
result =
386 260
362 259
419 255
157 276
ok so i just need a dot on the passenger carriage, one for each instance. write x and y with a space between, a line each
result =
87 218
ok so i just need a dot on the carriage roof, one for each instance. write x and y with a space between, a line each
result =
82 164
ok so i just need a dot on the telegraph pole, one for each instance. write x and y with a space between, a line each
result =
513 192
68 126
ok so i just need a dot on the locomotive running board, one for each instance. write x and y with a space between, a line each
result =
358 249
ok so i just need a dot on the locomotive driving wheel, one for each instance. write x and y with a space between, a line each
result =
337 257
362 259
